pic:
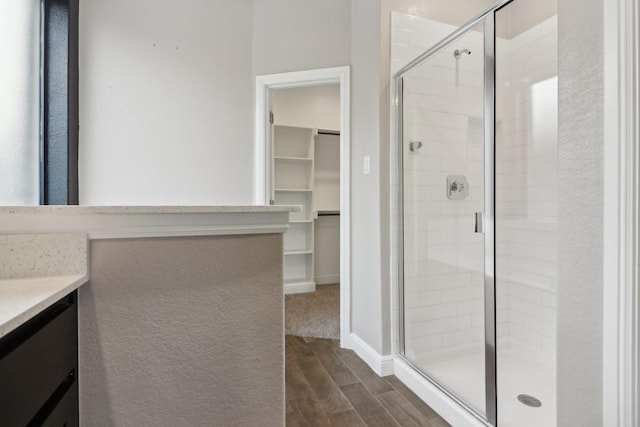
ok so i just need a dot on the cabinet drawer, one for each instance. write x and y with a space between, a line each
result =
35 359
66 411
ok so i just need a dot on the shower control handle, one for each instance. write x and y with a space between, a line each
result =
478 222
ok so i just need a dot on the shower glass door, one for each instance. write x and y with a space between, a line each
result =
443 131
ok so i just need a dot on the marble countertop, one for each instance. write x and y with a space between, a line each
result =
21 299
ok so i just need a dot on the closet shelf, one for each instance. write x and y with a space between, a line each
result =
293 159
298 252
302 281
329 213
293 190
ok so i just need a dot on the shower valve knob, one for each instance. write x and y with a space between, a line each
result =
457 187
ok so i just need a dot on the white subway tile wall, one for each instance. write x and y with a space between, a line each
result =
443 100
526 189
443 271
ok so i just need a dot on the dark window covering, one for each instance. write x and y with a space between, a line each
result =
60 102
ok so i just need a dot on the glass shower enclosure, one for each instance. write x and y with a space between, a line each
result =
477 131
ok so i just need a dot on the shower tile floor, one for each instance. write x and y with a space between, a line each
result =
517 374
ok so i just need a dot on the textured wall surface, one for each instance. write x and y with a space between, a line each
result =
183 332
580 212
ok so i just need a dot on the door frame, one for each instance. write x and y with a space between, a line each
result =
621 296
262 163
487 18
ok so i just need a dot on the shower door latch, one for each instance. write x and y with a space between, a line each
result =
478 222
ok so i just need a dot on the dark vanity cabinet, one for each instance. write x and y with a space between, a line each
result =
39 368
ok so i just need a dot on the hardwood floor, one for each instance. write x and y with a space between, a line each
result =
330 386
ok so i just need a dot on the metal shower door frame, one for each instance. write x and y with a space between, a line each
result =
487 18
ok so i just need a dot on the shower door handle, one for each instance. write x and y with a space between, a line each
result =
478 222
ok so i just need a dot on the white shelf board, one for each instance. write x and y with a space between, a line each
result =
298 252
299 287
293 159
293 190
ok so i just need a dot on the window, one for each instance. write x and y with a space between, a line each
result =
20 102
39 102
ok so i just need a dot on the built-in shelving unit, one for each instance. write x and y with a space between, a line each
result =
306 172
293 181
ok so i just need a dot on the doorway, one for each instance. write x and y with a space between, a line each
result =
285 173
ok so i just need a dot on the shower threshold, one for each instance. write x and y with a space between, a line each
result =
518 374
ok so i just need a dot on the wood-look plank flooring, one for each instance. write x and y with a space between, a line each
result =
330 386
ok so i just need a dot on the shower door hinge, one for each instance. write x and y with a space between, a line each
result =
271 117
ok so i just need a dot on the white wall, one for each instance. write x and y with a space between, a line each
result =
327 250
326 190
308 106
292 35
326 197
366 289
580 212
166 99
165 102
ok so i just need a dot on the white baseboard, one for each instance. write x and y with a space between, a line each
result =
381 365
446 407
328 279
299 287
